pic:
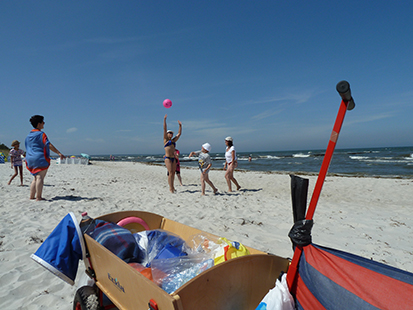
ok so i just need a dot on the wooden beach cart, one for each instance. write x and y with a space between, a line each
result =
239 283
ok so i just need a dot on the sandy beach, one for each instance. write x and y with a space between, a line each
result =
370 217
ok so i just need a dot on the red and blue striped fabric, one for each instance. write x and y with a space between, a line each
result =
332 279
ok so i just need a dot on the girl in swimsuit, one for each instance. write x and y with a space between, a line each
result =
231 162
169 142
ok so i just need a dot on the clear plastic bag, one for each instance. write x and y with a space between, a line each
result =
171 273
160 244
205 244
220 249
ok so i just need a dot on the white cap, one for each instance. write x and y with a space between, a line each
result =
228 139
207 146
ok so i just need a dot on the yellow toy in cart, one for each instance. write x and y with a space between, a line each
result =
228 250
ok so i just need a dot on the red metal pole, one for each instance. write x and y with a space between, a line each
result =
292 270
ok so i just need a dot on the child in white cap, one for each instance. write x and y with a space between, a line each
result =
204 163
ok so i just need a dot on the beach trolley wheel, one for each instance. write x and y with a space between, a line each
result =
86 298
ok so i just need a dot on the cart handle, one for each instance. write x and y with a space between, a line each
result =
347 103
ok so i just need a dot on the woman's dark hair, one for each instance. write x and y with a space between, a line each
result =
230 143
36 119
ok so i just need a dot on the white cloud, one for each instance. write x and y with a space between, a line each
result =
70 130
265 114
293 97
372 118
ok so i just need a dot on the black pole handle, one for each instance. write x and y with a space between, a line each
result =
343 89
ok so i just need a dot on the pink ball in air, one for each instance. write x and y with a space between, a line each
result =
167 103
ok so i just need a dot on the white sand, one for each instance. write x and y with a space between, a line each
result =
365 216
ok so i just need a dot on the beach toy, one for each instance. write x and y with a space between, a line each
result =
167 103
229 250
133 224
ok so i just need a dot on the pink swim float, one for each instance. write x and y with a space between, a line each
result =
132 222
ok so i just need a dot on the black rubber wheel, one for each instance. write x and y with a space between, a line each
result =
86 298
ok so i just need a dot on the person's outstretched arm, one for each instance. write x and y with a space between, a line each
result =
179 132
54 149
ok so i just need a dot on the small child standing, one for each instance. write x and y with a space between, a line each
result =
204 163
16 161
178 167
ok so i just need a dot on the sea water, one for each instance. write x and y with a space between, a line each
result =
395 162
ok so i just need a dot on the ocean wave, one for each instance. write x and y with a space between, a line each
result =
189 158
382 159
270 157
388 161
219 158
359 157
301 155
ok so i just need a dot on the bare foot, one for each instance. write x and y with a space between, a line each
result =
40 199
238 188
215 191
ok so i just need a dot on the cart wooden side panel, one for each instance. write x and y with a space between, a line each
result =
123 285
237 284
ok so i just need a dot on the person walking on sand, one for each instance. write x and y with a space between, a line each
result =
169 142
38 149
204 163
16 161
230 162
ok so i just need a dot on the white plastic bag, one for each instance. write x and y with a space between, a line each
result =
279 298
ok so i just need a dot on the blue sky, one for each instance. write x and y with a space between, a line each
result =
263 72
